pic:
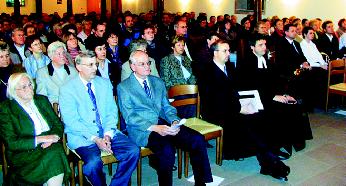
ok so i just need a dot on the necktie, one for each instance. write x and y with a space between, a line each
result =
98 119
225 71
146 88
294 46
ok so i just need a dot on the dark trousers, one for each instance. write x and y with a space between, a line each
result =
124 150
164 155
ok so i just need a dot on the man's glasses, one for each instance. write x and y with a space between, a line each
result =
142 64
90 65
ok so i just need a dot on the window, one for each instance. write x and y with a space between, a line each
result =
10 3
246 6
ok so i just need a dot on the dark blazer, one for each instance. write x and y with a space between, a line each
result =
219 98
114 73
287 58
329 47
28 162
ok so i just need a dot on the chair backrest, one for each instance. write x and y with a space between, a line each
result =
180 90
337 67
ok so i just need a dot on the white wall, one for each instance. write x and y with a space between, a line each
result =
137 6
325 9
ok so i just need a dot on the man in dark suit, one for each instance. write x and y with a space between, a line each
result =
91 116
293 67
151 121
328 42
98 29
221 105
281 110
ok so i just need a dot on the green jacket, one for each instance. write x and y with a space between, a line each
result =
172 74
28 163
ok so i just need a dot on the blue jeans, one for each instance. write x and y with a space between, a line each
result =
124 150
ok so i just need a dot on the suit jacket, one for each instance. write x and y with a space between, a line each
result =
172 74
140 111
16 58
78 112
287 58
48 83
28 161
219 97
113 73
329 47
250 77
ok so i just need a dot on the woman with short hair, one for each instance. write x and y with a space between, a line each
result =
32 136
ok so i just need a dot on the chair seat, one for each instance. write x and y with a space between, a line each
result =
202 126
339 87
105 156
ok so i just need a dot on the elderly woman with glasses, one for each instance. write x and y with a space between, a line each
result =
31 132
50 78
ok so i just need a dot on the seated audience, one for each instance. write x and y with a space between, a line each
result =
37 59
281 110
221 105
154 126
50 78
342 27
32 135
91 116
141 45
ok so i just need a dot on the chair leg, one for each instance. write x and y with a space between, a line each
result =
180 162
110 169
139 172
221 148
80 172
73 181
186 163
327 99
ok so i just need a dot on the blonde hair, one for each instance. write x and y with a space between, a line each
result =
13 82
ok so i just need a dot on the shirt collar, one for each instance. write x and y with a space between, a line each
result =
140 80
221 67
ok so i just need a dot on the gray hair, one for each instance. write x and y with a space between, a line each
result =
136 44
133 58
16 30
84 54
13 82
53 47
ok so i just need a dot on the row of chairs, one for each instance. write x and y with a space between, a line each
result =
210 131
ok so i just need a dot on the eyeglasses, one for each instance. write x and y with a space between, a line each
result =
183 26
24 87
90 65
142 64
225 51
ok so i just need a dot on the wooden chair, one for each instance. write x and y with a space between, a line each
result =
209 130
106 158
336 68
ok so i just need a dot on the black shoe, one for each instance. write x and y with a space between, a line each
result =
299 146
276 169
282 155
